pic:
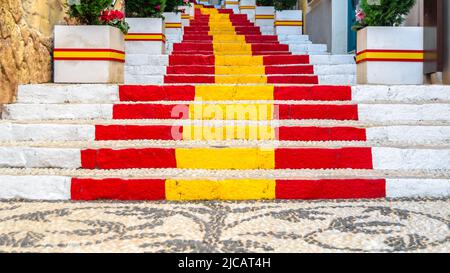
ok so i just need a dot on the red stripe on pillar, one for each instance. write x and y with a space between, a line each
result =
156 93
322 158
129 158
150 111
330 112
322 134
118 189
325 93
330 189
137 132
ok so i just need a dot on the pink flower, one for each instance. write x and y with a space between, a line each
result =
360 15
186 1
158 7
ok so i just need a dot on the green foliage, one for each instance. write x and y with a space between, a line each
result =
97 12
88 11
265 3
386 13
284 4
172 5
144 8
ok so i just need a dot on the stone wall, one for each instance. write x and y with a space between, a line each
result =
26 28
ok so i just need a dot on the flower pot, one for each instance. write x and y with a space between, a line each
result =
390 55
265 19
88 54
172 28
248 7
289 22
146 36
232 4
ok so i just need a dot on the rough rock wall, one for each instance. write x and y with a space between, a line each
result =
26 28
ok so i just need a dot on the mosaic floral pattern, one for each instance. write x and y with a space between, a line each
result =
295 226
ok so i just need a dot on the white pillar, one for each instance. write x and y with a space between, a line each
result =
248 7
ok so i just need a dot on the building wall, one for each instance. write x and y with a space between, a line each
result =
446 73
26 42
318 22
415 17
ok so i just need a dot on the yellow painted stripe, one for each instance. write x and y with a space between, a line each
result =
242 189
185 16
247 7
231 48
148 37
241 70
259 111
172 25
89 54
288 23
221 79
218 93
227 158
265 16
419 56
239 60
228 38
231 2
249 132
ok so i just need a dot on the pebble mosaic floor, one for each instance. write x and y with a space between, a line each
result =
405 225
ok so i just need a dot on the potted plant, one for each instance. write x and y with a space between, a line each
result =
265 16
146 34
387 52
287 20
172 23
90 49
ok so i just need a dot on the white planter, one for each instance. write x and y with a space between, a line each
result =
265 19
146 36
289 22
232 4
185 15
248 7
390 55
173 29
88 54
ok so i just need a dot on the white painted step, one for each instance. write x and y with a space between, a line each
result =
144 79
134 70
338 69
144 59
338 79
367 112
10 131
308 48
102 93
383 158
40 187
332 59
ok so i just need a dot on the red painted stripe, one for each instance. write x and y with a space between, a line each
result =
314 111
390 50
293 79
330 189
150 111
87 59
138 132
118 189
321 134
317 92
106 159
191 60
89 50
289 59
156 93
291 69
188 79
270 47
320 158
193 46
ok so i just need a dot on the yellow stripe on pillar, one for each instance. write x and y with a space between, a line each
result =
224 159
236 189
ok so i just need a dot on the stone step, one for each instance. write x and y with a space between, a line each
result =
248 111
101 93
167 188
84 156
170 130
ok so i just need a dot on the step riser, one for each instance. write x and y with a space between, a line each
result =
257 79
66 188
67 132
225 159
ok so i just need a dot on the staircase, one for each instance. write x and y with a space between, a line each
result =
238 117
